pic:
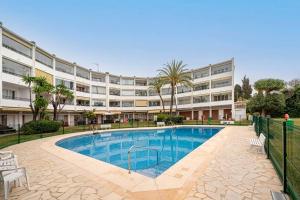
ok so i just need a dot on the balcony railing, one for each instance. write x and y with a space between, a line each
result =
15 98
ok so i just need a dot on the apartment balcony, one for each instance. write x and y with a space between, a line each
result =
16 56
20 102
12 78
221 89
83 94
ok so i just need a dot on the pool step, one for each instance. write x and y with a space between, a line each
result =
155 170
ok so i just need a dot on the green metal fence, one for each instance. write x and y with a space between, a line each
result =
283 149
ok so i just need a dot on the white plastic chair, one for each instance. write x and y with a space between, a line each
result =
8 176
6 154
10 172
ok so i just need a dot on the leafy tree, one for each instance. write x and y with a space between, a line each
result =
60 95
269 99
237 92
90 115
269 85
175 73
157 85
293 102
246 88
41 90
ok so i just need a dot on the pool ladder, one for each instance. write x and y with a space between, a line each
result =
134 147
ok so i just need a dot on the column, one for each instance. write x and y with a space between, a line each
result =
210 112
75 97
107 90
192 114
69 119
232 94
221 114
200 114
0 63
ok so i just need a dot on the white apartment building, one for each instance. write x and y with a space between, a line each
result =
112 96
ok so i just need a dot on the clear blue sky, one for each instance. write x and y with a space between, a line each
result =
136 37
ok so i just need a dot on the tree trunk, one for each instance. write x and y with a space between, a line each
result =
172 98
54 111
162 101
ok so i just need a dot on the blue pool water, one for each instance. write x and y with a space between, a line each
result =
154 152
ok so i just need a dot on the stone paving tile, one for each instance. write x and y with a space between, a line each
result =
235 172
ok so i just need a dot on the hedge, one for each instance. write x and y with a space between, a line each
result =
40 126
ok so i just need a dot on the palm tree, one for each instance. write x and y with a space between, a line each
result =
60 95
175 73
157 85
28 80
41 88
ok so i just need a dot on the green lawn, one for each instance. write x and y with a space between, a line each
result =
296 120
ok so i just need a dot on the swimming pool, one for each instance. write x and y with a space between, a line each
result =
152 151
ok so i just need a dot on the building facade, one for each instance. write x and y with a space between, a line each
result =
112 96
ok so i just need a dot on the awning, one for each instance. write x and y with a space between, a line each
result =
154 111
82 98
15 109
112 113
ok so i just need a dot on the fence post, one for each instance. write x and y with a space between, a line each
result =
268 137
119 123
202 119
19 134
284 158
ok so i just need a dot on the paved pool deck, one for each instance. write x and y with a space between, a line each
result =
222 168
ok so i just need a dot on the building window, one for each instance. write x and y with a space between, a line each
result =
63 67
141 82
98 90
127 104
68 84
152 92
201 86
127 81
154 103
221 83
114 104
82 73
201 99
115 92
201 73
8 94
82 88
166 91
42 58
14 68
183 89
141 93
128 93
183 101
98 77
221 97
114 80
98 102
81 102
221 69
11 44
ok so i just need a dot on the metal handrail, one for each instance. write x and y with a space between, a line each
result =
133 147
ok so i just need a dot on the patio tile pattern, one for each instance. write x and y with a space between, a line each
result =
233 171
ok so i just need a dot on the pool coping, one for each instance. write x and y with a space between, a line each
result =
177 176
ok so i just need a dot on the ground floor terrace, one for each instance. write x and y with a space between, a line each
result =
222 168
15 117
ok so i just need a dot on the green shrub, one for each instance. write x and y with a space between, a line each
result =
162 117
41 126
178 119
